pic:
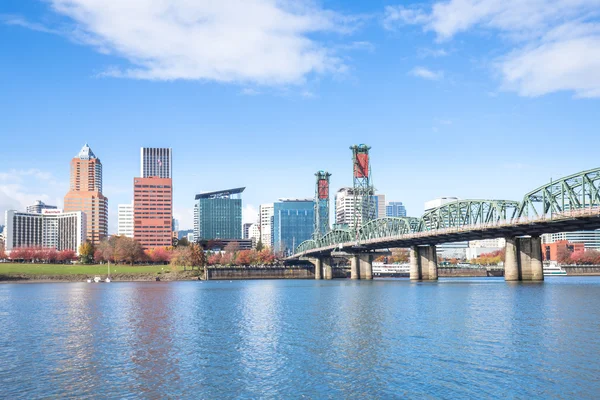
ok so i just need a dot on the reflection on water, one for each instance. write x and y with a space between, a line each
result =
459 338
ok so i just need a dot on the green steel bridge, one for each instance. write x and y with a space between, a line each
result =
568 204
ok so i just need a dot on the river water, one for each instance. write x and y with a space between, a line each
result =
457 338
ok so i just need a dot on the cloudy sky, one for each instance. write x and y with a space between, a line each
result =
467 98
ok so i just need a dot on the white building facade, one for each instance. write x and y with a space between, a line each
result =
344 206
52 228
125 220
266 212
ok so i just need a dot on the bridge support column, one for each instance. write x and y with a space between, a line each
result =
354 267
327 269
423 263
365 266
318 263
433 263
415 271
523 259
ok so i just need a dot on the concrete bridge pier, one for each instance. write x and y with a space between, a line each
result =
523 259
365 266
327 269
423 263
415 271
354 266
318 263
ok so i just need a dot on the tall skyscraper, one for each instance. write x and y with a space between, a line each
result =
85 194
153 199
156 162
293 223
218 215
153 212
395 209
38 206
125 222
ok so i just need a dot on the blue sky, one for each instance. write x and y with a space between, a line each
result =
467 98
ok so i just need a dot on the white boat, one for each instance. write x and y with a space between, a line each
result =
107 280
390 270
89 280
97 279
553 269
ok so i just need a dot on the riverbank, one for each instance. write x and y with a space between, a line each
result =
15 272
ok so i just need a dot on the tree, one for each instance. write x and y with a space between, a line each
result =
183 242
563 255
181 257
159 255
129 249
86 252
244 257
66 256
259 245
3 255
197 256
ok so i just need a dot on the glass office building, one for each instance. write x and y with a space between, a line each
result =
218 215
293 223
395 209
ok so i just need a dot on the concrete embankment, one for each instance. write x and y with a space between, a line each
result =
582 270
236 273
468 272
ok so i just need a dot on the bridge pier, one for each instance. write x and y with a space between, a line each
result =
354 266
327 269
523 259
365 266
318 263
423 263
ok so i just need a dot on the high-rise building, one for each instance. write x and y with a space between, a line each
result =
254 233
85 194
51 228
345 207
125 221
293 223
395 209
379 205
38 206
246 230
156 162
218 215
266 222
153 212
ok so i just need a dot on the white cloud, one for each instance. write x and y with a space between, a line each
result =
249 214
253 41
20 188
426 73
556 42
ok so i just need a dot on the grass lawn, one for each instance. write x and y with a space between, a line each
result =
72 269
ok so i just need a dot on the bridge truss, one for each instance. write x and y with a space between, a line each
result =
575 194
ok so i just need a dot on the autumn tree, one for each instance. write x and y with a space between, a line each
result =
183 242
129 249
86 252
3 255
197 256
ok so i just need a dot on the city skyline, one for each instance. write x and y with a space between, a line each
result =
449 107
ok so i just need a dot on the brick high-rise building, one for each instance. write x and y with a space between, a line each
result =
153 211
85 194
